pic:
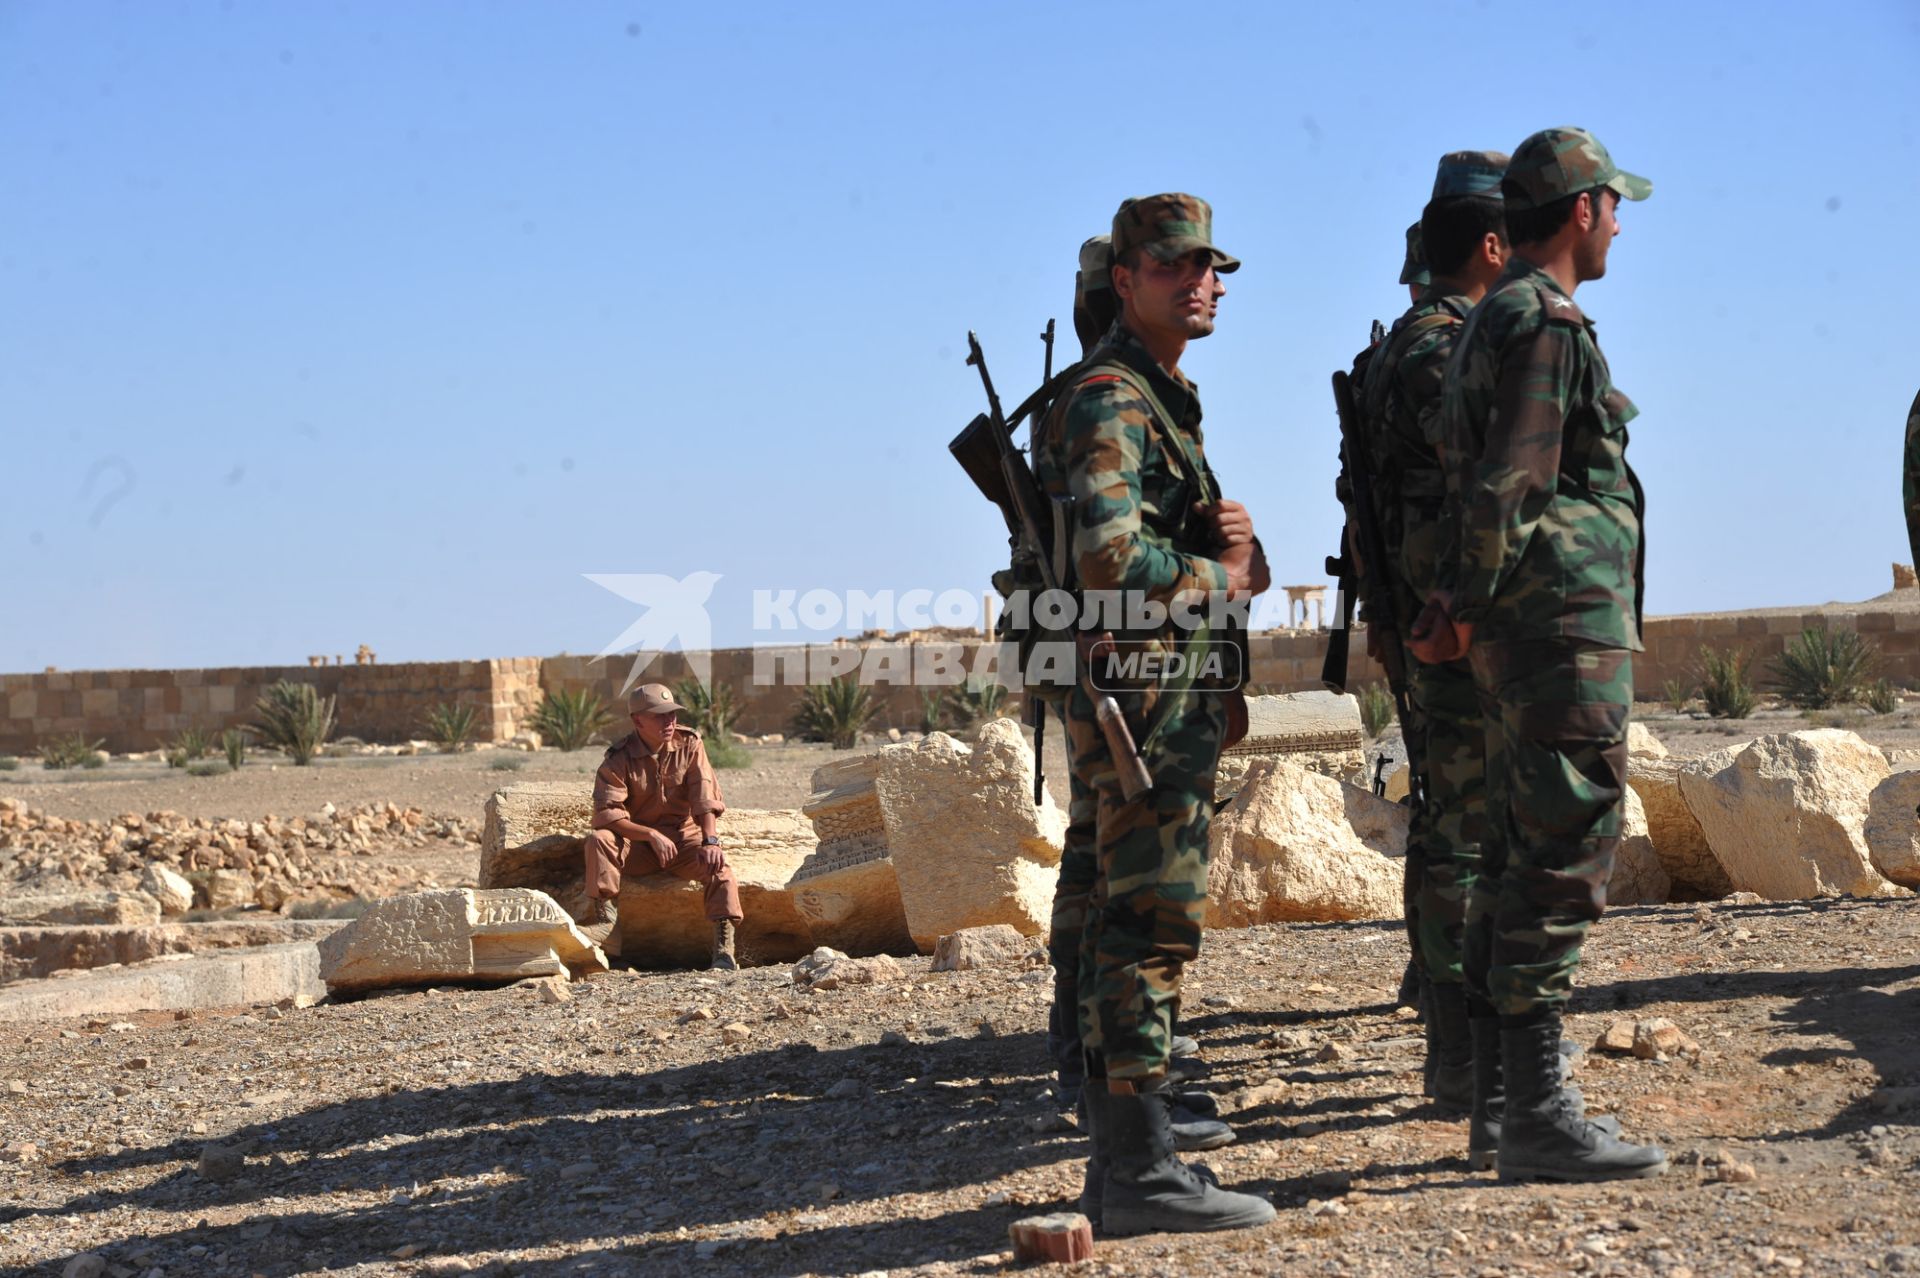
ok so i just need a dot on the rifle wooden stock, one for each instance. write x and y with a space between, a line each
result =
1135 780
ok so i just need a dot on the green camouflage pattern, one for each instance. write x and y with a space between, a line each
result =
1555 163
1910 480
1556 714
1400 399
1463 173
1149 896
1169 227
1095 305
1545 512
1413 267
1402 395
1079 869
1449 827
1134 529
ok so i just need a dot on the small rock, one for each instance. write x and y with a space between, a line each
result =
121 1027
442 1265
845 1089
1334 1052
973 948
1659 1037
1734 1172
574 1173
554 990
697 1014
84 1265
894 1038
219 1162
17 1087
1617 1037
406 1251
136 1062
1061 1238
19 1151
735 1034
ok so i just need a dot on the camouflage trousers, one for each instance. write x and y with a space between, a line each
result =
1148 894
1556 732
1079 867
1443 844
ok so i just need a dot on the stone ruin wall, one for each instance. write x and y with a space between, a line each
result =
140 709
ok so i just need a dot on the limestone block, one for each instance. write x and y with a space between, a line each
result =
532 835
1677 838
845 812
1642 744
663 920
1638 877
1893 828
1295 845
1320 731
462 934
968 844
855 908
224 889
44 909
167 886
1399 783
1787 819
976 947
829 969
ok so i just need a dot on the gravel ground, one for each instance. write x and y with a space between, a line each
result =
617 1132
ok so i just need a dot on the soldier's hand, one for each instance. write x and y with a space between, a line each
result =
664 849
1229 520
1437 638
1247 573
712 856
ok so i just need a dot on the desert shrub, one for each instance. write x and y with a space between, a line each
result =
206 768
1824 668
933 709
294 718
1677 693
70 751
1376 709
234 742
450 726
727 752
710 708
1724 683
568 720
8 763
833 712
190 745
972 703
1881 697
94 759
506 762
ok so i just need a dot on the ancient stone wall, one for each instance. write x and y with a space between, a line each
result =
139 709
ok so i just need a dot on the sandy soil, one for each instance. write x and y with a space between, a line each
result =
445 1130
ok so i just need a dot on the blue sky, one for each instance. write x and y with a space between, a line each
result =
361 322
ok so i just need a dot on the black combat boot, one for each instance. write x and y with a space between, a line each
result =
1063 1045
1489 1105
1148 1190
1092 1122
1544 1133
1449 1047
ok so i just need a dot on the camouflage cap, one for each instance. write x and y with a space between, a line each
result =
1169 227
1470 173
1094 304
1414 269
1555 163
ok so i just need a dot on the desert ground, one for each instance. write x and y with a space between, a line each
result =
899 1128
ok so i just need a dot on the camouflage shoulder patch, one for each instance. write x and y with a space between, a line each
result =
1558 308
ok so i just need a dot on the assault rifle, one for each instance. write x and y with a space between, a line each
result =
1361 568
1040 533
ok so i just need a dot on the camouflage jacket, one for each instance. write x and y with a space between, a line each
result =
1401 401
1134 530
1910 480
1546 512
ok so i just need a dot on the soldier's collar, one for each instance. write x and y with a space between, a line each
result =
1176 393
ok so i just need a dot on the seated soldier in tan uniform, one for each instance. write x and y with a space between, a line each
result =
656 804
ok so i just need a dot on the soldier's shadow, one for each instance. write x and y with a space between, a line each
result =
752 1146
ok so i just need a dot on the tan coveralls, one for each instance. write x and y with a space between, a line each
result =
665 791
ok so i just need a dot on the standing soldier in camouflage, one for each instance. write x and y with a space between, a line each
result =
1464 242
1910 481
1124 443
1195 1115
1413 269
1545 603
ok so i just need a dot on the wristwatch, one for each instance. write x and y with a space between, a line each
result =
711 841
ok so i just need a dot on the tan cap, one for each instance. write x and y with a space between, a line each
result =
652 698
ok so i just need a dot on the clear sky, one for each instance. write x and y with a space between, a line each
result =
342 323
